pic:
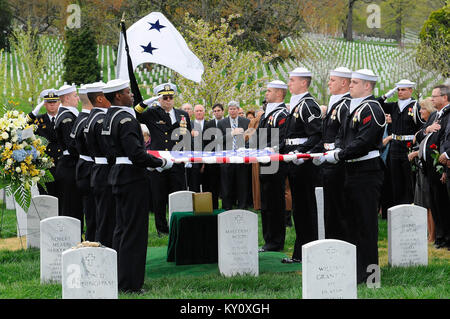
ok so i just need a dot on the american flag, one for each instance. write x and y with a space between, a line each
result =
237 157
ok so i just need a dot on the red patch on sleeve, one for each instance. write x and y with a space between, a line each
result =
282 121
367 119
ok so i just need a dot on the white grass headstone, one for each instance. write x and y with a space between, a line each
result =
320 213
41 207
89 273
180 201
57 235
21 216
238 243
329 270
407 235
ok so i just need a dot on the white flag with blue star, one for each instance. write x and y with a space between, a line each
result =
153 39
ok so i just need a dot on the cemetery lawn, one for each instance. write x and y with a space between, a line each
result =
20 275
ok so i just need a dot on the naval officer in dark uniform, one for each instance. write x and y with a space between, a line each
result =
168 127
125 143
359 148
335 218
406 122
272 178
69 201
303 132
46 128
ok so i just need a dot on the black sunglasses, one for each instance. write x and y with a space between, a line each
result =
167 97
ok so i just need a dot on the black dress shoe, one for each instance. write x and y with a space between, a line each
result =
290 260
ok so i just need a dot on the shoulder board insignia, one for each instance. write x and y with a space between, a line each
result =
67 120
100 121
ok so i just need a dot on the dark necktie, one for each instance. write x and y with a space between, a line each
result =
53 122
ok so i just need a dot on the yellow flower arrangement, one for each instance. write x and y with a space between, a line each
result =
23 160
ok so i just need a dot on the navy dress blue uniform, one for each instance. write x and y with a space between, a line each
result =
83 174
361 140
440 202
105 208
272 184
46 128
165 136
303 132
336 223
69 200
405 123
125 143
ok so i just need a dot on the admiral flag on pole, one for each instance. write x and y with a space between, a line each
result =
153 39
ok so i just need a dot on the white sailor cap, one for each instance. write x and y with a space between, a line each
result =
365 74
342 72
165 89
96 87
66 89
277 84
405 84
46 92
303 72
115 85
82 89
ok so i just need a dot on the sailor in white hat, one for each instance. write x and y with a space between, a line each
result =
70 203
406 121
359 150
105 211
128 177
84 164
336 224
303 132
167 125
273 204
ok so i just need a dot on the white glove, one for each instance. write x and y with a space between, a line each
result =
390 93
167 165
37 108
298 161
149 101
330 157
188 165
318 160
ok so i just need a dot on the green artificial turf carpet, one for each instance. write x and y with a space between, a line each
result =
158 267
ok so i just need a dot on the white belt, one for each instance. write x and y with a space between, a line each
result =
329 146
66 152
296 141
123 160
101 160
402 137
86 158
372 154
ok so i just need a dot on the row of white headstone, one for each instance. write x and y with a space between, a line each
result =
328 269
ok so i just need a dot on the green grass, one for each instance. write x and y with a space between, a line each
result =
19 277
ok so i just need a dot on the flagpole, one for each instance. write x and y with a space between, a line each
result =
133 82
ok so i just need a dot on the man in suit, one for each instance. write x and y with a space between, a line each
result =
195 172
84 164
46 128
234 176
272 180
432 138
125 143
406 121
336 219
69 201
211 136
303 132
359 146
170 129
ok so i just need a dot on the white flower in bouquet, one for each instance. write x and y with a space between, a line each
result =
5 135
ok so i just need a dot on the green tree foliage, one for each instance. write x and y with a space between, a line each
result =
80 62
433 52
5 24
